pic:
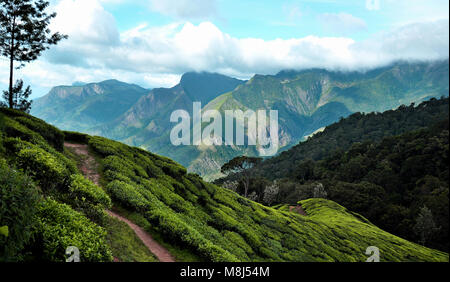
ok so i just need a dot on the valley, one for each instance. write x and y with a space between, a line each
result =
305 100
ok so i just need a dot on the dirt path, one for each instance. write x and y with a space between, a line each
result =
159 251
89 170
88 163
299 209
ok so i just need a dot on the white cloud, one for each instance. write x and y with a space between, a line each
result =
410 11
417 42
157 56
342 23
185 9
178 48
85 21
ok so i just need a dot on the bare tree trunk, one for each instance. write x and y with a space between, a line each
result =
11 67
11 70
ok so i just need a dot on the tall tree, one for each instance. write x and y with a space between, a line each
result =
425 226
24 34
241 165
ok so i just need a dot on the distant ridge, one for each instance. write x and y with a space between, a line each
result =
306 101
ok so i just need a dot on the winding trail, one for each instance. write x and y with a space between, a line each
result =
89 170
299 209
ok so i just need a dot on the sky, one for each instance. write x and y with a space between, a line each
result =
153 42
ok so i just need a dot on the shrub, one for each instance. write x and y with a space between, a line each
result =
215 253
111 175
45 168
86 197
106 147
51 134
176 171
2 122
15 145
123 167
127 195
18 202
82 189
238 241
15 129
59 227
2 128
76 137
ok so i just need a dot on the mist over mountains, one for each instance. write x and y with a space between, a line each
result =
306 100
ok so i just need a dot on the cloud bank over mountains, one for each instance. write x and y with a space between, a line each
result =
157 56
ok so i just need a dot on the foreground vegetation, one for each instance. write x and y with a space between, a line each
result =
48 206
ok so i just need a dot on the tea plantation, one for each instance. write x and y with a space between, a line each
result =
48 205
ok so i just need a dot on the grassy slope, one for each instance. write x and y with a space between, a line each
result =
124 243
214 224
356 231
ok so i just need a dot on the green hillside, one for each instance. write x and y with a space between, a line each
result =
385 166
48 205
149 117
307 101
358 127
83 106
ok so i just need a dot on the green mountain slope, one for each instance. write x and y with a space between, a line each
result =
209 222
306 101
385 166
356 128
83 106
149 117
309 100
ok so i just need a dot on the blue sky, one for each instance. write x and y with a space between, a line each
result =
271 19
153 42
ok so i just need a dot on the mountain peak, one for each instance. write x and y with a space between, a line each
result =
79 83
205 86
200 77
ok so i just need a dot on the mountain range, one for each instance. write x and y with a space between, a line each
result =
306 101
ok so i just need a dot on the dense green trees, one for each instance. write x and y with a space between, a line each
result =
366 166
358 127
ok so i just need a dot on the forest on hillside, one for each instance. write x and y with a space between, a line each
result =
390 167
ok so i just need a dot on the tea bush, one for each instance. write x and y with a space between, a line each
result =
59 227
76 137
88 198
51 134
18 207
84 190
127 195
46 169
